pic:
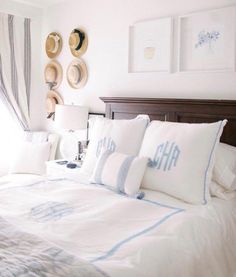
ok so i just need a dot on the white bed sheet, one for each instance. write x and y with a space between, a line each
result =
124 236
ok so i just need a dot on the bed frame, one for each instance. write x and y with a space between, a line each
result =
176 110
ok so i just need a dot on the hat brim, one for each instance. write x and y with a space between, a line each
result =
50 54
54 95
59 70
83 72
83 48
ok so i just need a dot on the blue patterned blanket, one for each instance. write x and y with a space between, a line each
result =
26 255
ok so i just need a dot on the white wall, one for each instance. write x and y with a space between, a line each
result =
107 24
37 100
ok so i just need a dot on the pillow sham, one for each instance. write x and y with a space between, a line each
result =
181 158
220 192
224 172
122 172
31 158
124 136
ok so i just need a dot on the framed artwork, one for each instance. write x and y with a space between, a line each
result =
150 46
207 41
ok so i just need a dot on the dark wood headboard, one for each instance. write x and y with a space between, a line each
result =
176 110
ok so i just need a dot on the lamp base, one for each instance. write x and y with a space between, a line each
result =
68 146
77 162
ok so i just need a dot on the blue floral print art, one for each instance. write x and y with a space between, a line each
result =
207 38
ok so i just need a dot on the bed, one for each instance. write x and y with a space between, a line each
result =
62 227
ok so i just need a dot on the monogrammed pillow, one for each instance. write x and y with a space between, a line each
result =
181 158
124 136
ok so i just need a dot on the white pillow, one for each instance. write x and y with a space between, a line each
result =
41 136
31 158
124 136
181 158
120 171
224 172
220 192
35 136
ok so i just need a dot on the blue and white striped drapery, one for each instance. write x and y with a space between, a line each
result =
15 66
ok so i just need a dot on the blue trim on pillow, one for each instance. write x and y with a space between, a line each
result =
123 173
209 161
100 166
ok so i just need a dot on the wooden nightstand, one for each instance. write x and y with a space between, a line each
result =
57 168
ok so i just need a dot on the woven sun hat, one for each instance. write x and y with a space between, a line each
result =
53 98
53 45
53 74
78 42
77 74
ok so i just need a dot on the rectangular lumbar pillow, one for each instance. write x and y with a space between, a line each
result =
124 136
181 157
224 172
122 172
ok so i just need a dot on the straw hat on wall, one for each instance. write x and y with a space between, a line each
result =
53 74
78 42
77 74
53 45
52 99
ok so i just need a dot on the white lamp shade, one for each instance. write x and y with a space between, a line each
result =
71 117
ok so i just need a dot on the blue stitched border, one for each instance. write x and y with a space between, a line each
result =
209 161
160 204
140 233
146 230
35 183
118 245
121 243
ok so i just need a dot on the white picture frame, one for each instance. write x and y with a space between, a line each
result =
150 46
207 41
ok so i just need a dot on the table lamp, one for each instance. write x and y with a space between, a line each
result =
71 118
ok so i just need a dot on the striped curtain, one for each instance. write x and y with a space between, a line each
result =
15 66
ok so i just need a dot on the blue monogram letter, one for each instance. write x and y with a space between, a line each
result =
166 156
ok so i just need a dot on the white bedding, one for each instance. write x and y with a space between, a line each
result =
121 236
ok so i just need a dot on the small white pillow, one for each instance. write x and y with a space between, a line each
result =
224 172
36 136
181 158
124 136
220 192
31 158
120 171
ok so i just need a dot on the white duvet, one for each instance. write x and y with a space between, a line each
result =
120 236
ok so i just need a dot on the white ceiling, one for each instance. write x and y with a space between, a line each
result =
39 3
